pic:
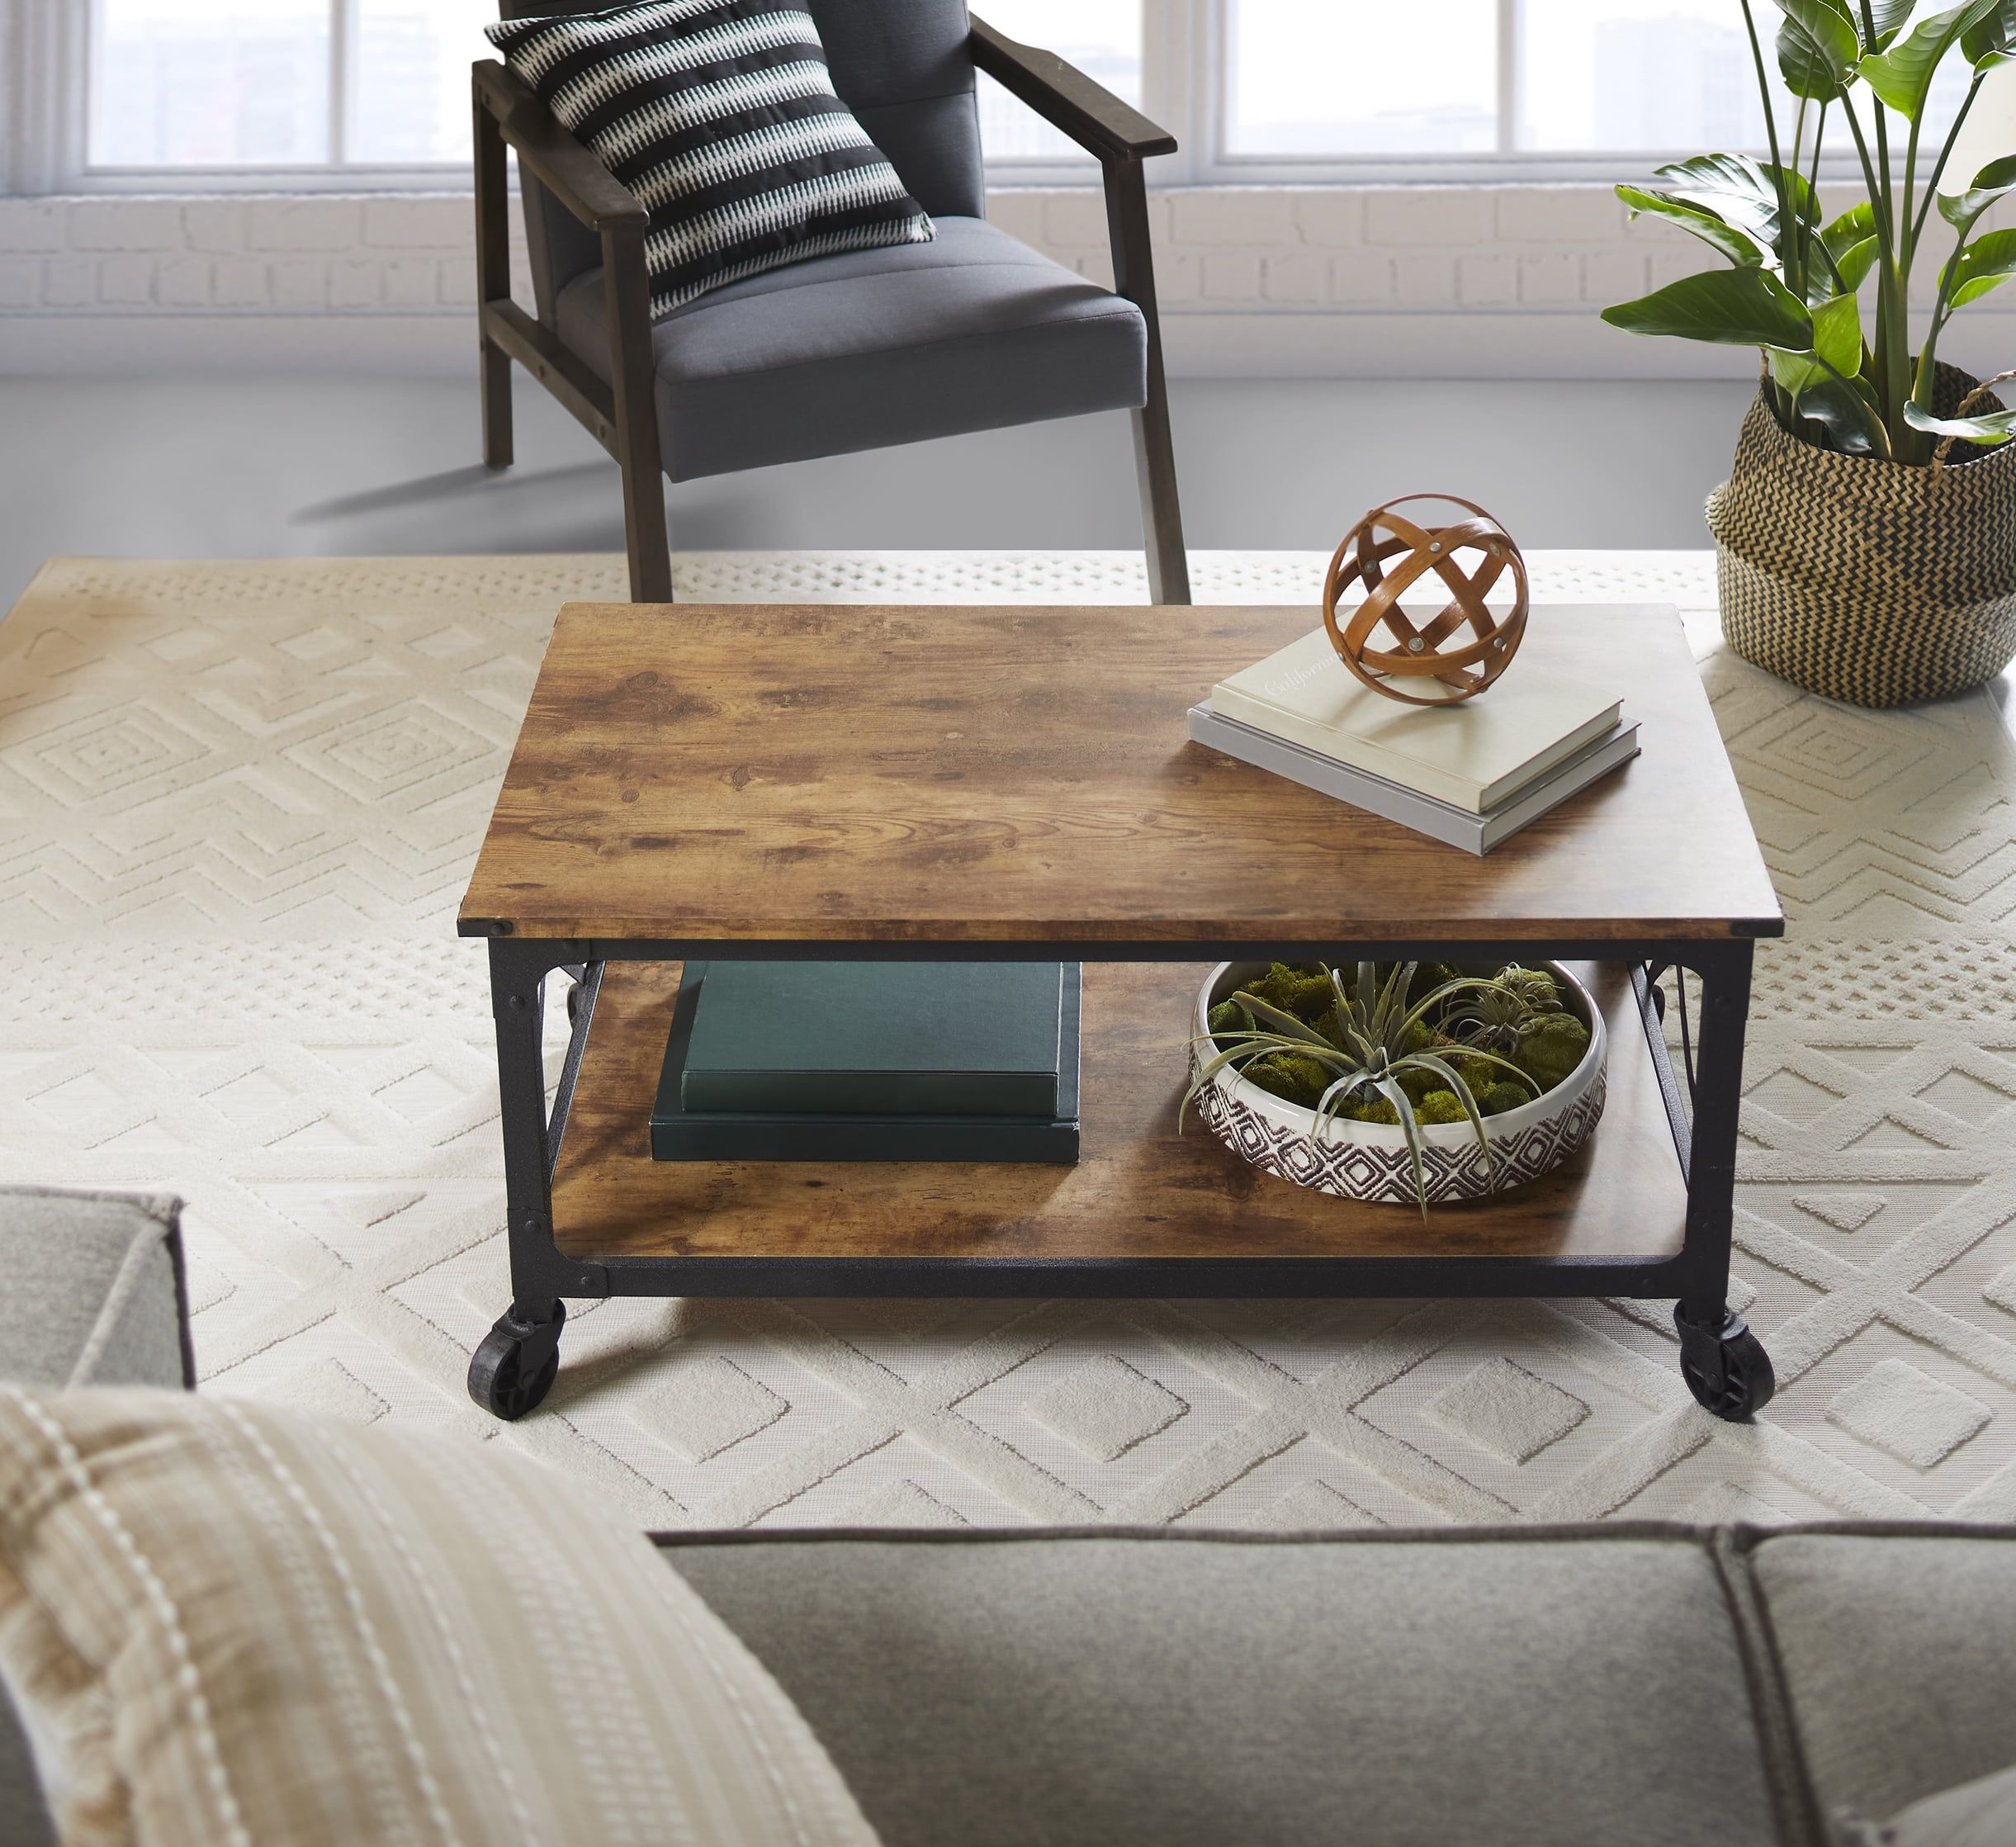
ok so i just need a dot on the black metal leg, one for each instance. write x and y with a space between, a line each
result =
1724 1367
515 1365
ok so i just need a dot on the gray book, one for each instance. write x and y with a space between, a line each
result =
1441 820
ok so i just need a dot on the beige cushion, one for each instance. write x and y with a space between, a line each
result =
231 1624
1978 1814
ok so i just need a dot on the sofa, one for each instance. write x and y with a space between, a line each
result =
1619 1683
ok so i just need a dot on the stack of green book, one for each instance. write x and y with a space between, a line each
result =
871 1061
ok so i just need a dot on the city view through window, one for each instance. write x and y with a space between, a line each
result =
253 84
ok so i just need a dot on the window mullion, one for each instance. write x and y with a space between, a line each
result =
342 38
1508 49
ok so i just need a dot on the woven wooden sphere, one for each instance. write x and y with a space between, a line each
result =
1452 655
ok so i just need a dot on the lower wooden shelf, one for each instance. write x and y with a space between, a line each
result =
1140 1190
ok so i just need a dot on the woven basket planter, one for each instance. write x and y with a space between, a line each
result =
1866 581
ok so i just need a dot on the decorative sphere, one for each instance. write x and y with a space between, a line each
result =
1454 653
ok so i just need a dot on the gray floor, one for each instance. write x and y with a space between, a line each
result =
201 467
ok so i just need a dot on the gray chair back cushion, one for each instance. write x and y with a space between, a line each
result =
901 65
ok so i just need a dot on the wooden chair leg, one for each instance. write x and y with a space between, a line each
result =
498 450
1161 514
633 389
1134 276
645 536
492 282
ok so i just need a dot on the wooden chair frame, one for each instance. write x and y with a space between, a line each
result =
621 415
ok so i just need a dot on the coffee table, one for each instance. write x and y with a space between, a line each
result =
967 783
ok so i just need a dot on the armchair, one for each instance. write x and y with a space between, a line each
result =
842 353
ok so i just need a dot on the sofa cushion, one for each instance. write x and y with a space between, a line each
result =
232 1623
872 347
1898 1652
94 1282
1162 1689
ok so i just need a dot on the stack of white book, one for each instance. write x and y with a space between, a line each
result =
1471 773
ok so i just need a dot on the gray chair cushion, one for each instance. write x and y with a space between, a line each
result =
901 65
1899 1656
871 347
94 1289
1006 1690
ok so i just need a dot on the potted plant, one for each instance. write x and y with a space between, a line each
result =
1398 1083
1866 534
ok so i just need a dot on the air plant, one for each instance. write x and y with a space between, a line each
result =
1497 1015
1380 1037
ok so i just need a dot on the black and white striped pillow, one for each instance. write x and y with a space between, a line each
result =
721 116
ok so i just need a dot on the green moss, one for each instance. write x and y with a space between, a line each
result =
1417 1084
1304 993
1550 1048
1441 1106
1227 1016
1497 1098
1293 1080
1378 1109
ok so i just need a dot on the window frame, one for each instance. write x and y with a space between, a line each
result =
1185 60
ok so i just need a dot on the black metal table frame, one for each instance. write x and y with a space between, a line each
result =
1721 1361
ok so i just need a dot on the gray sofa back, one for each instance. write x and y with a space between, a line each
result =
1581 1687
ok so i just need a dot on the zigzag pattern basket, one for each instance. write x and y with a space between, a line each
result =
1866 581
1369 1161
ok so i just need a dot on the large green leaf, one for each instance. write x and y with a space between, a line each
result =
1843 410
1998 426
1818 46
1986 264
1994 34
1807 71
1728 307
1836 335
1890 16
1733 186
1997 178
1852 242
1738 245
1902 75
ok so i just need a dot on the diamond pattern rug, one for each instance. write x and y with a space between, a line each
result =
238 802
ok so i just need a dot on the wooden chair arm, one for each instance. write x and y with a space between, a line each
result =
1092 114
567 170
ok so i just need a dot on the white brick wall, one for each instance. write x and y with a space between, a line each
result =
1312 273
1264 248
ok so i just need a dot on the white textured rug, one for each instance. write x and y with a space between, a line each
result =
237 804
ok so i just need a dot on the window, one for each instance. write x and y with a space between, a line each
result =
1486 88
349 93
331 85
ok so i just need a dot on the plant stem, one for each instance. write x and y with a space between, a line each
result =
1946 153
1796 264
1892 346
1780 401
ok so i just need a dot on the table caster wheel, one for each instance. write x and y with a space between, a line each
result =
1725 1367
514 1368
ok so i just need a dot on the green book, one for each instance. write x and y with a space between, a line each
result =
939 1039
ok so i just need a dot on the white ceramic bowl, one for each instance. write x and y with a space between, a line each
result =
1370 1161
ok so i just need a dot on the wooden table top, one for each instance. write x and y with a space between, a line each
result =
699 773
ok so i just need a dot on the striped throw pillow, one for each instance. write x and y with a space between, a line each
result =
722 117
229 1625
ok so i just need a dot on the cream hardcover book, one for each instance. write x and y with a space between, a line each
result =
1476 753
